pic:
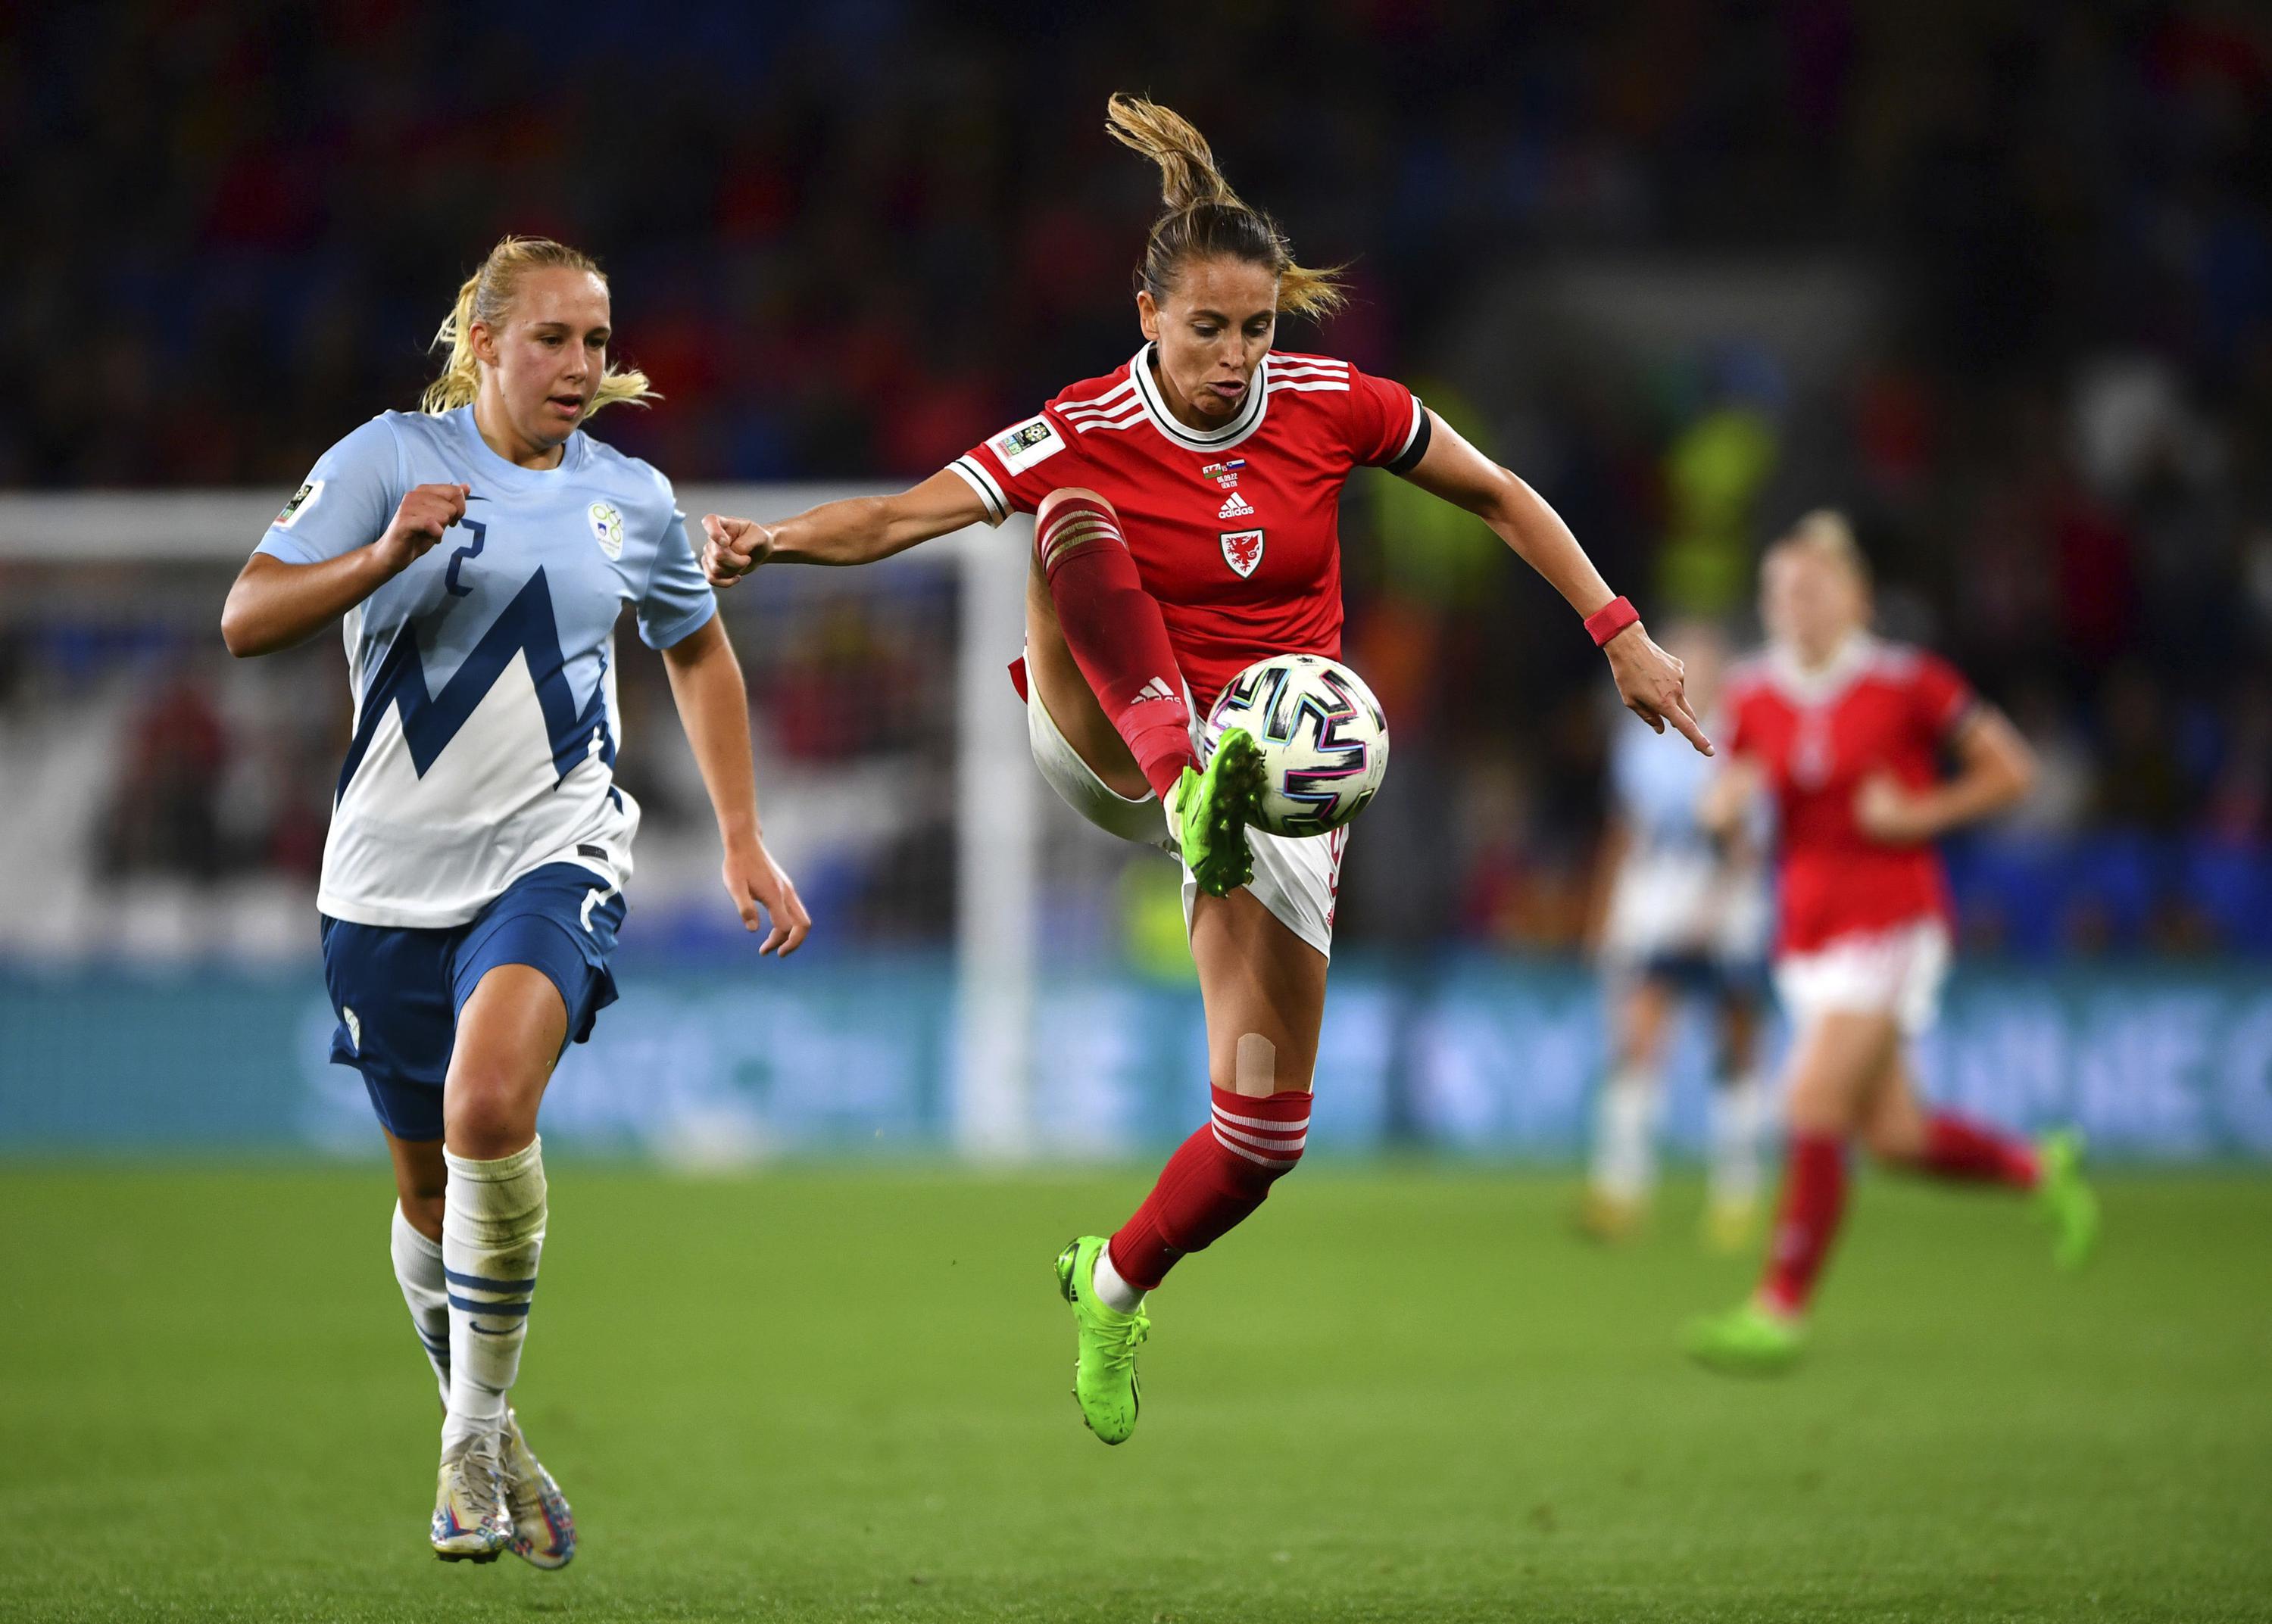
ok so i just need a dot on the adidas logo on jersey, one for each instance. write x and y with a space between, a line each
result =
1156 689
1235 506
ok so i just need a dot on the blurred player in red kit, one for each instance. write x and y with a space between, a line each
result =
1847 734
1185 508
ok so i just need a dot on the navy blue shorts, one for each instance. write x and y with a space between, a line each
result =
1707 975
397 993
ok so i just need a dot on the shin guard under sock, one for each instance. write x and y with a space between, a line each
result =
1214 1181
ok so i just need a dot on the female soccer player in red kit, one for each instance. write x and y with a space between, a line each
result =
1185 508
1848 732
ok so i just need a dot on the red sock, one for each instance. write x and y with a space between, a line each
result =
1958 1147
1118 637
1813 1201
1215 1178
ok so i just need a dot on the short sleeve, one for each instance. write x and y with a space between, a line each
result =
346 500
1941 697
678 602
1388 427
1005 469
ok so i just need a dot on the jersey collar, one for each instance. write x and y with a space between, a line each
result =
1248 420
504 471
1826 680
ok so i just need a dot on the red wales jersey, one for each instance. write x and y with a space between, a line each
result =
1878 707
1234 530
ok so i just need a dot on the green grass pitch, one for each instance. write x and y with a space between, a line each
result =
1397 1395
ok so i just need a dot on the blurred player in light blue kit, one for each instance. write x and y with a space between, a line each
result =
1681 914
480 552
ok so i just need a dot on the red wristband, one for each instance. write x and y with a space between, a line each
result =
1611 618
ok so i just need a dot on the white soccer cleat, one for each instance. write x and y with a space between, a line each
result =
543 1527
471 1521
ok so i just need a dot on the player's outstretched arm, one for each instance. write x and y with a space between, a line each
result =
1648 678
275 604
857 531
713 706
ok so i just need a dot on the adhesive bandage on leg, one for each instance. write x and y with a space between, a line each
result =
418 1271
1254 1065
492 1235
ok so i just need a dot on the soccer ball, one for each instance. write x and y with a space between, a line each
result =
1325 742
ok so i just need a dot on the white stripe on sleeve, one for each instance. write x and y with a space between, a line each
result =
998 505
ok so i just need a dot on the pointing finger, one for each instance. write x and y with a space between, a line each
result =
1685 719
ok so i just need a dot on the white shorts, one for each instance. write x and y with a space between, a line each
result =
1895 972
1684 905
1296 880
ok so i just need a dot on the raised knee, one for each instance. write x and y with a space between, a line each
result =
1072 519
1071 495
486 1114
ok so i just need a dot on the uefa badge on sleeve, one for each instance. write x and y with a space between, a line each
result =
607 528
302 499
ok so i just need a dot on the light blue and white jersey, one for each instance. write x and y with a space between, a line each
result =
1674 893
485 731
1657 783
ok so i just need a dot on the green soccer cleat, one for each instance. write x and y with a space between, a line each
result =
543 1527
1105 1371
1209 812
2066 1201
1747 1340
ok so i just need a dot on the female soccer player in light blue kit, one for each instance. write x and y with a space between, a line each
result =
480 552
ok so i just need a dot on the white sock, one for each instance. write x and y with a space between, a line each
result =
1625 1136
1115 1291
1738 1113
418 1271
492 1235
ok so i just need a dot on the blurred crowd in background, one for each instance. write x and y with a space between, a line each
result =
1995 278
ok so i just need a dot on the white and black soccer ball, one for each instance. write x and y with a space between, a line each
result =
1324 739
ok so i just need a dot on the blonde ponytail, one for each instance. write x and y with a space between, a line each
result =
1205 218
485 297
